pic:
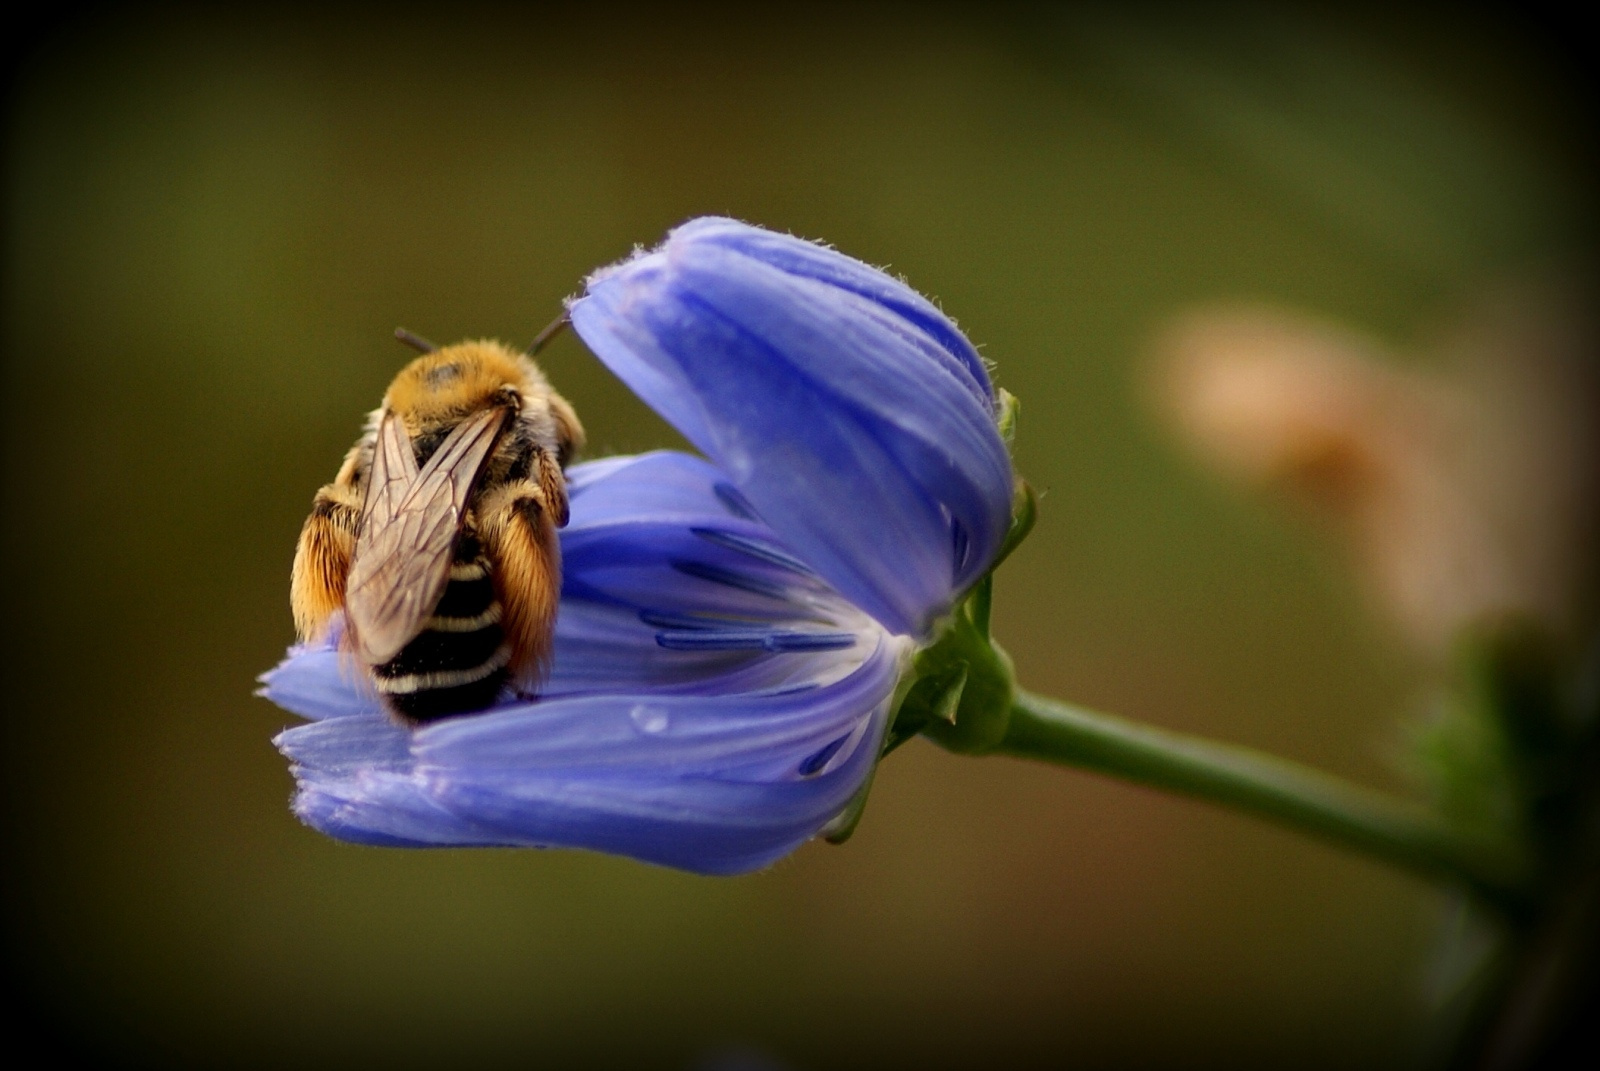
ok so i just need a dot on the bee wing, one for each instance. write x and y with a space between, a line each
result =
394 470
402 558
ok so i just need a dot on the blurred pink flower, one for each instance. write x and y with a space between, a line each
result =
1463 483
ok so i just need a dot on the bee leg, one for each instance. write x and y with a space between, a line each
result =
322 558
569 431
519 536
552 486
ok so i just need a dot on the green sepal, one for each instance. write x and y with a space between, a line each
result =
932 698
987 686
1024 513
1006 415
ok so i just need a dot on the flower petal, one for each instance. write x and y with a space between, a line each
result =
714 785
715 760
705 825
810 260
386 809
706 734
314 682
843 406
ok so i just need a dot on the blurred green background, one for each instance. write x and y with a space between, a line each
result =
213 223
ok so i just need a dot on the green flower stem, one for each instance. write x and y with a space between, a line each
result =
1284 792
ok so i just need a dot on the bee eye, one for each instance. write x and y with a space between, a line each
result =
445 373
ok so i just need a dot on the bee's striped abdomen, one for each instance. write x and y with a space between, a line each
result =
457 663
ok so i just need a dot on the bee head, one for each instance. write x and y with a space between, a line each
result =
443 386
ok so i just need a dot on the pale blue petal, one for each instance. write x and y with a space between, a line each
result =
716 761
706 733
387 809
837 402
602 649
811 260
708 826
711 785
340 746
313 681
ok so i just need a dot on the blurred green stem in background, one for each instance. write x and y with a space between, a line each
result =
962 693
1297 796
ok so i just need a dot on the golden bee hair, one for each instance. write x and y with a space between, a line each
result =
445 513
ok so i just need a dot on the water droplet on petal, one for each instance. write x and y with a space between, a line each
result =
649 719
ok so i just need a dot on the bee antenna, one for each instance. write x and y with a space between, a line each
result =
416 342
557 325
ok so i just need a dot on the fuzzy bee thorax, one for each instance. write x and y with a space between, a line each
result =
442 386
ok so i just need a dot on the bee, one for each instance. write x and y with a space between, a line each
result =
437 538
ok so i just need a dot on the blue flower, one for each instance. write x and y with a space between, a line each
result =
731 630
847 409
